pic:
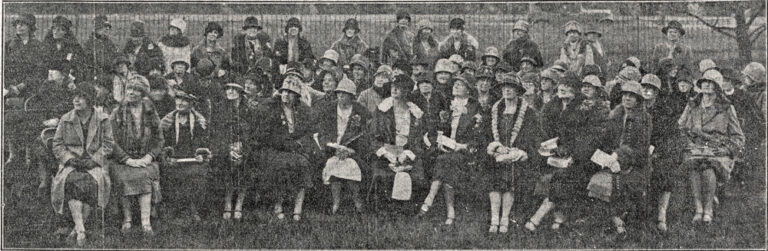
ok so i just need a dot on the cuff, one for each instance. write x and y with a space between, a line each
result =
381 152
410 154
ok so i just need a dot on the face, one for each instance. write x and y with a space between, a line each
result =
419 69
212 36
232 93
517 34
121 68
443 77
380 80
649 92
105 31
526 66
79 103
288 97
565 92
592 37
345 98
251 32
491 61
396 92
22 29
727 85
509 92
157 94
403 23
179 68
132 95
572 36
547 84
425 88
58 32
460 89
684 86
484 85
530 87
251 87
707 87
293 31
588 91
673 34
672 73
629 101
55 75
455 32
358 72
173 31
350 32
326 64
329 83
183 105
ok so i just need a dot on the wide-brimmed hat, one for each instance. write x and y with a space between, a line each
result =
384 69
27 19
443 65
138 82
551 74
251 22
179 24
592 80
520 25
425 24
560 66
293 22
711 75
331 55
457 23
755 71
456 59
137 29
351 24
673 25
572 26
652 80
510 79
706 64
293 72
346 85
630 73
491 52
467 84
213 26
237 86
62 21
632 87
101 21
529 77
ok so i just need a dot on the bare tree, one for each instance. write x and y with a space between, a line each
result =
744 14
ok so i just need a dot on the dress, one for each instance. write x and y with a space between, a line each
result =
135 140
463 127
713 137
231 126
185 182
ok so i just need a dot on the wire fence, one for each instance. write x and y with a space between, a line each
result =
623 37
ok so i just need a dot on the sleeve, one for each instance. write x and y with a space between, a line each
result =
107 142
117 151
157 140
59 149
537 56
735 133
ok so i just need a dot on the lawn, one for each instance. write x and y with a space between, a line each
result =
739 223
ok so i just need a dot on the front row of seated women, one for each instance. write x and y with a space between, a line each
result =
280 145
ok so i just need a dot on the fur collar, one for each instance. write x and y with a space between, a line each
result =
387 104
175 41
70 116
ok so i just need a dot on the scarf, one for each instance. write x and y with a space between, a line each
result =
173 119
519 115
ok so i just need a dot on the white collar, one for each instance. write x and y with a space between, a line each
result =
387 104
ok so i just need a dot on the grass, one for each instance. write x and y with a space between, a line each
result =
739 223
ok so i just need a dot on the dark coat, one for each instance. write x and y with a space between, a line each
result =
750 117
99 53
628 135
517 49
398 40
148 53
24 63
243 55
187 82
187 142
665 138
469 130
467 48
348 47
575 126
384 132
150 141
67 49
281 50
230 124
218 56
529 137
273 127
356 134
437 102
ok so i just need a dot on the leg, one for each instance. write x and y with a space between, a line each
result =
239 203
299 203
710 184
449 196
506 199
696 191
663 205
145 207
433 189
495 198
126 202
559 219
354 187
336 194
279 208
44 177
228 202
76 209
543 210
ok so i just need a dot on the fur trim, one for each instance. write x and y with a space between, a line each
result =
387 104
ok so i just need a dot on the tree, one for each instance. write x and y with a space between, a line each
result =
744 13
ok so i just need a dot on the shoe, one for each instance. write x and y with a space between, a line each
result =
662 226
696 217
227 215
556 225
707 219
449 221
238 215
493 229
503 229
621 232
147 230
126 228
80 238
530 226
296 217
280 216
422 211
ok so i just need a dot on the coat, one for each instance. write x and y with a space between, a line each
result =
437 102
716 128
370 99
185 139
230 125
751 118
355 136
426 51
281 50
186 82
348 47
467 47
383 130
273 130
218 56
175 48
523 47
468 130
628 135
25 63
244 56
67 49
398 40
151 140
682 55
665 137
68 143
143 54
577 57
577 126
99 53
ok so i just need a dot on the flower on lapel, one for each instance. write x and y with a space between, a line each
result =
282 118
355 121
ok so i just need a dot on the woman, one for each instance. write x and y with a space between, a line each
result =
186 134
209 48
372 97
713 136
175 46
514 136
575 50
349 44
360 73
286 140
82 143
530 81
425 44
62 45
341 127
521 46
458 139
486 97
138 143
549 81
627 134
459 42
684 91
142 50
592 88
444 71
24 60
232 120
293 47
667 71
673 48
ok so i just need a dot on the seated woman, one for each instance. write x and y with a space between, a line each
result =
515 135
284 135
342 134
459 140
628 135
138 142
82 143
186 136
713 136
398 131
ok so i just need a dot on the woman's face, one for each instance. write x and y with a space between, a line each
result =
251 32
212 36
572 36
426 87
546 84
460 89
403 23
727 85
157 94
58 32
350 32
491 61
132 95
484 85
443 77
509 92
79 103
456 33
179 69
232 93
380 80
345 98
526 66
673 34
530 87
672 73
629 101
684 86
588 91
183 105
649 92
565 92
419 69
121 68
358 72
707 87
173 31
288 97
517 34
251 87
293 31
396 92
329 83
22 29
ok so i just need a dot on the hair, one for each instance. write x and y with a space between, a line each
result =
318 83
86 91
721 101
68 36
420 36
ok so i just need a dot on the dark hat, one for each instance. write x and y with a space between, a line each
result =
100 22
213 26
467 83
403 15
27 19
205 67
403 82
137 29
185 96
351 24
673 25
684 75
293 22
186 65
293 72
403 65
510 79
457 23
423 78
60 65
592 69
251 22
120 58
570 79
157 83
63 22
731 74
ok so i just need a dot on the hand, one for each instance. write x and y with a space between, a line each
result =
72 86
134 163
502 150
146 159
199 158
221 73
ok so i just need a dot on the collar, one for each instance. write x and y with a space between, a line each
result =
387 104
70 116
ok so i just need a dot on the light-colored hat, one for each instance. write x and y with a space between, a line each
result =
706 64
138 82
292 86
359 59
425 24
755 71
444 65
520 25
346 85
179 23
331 55
632 87
572 26
238 86
491 52
560 65
635 61
456 59
593 81
711 75
630 73
652 80
384 69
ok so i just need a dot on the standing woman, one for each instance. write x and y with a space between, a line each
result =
286 139
62 45
459 42
713 136
575 50
521 46
209 48
463 128
515 135
175 46
425 44
350 44
138 142
683 92
82 143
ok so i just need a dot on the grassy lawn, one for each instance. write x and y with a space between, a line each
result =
739 223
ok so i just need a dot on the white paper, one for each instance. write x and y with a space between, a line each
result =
650 149
603 159
187 160
559 162
447 142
